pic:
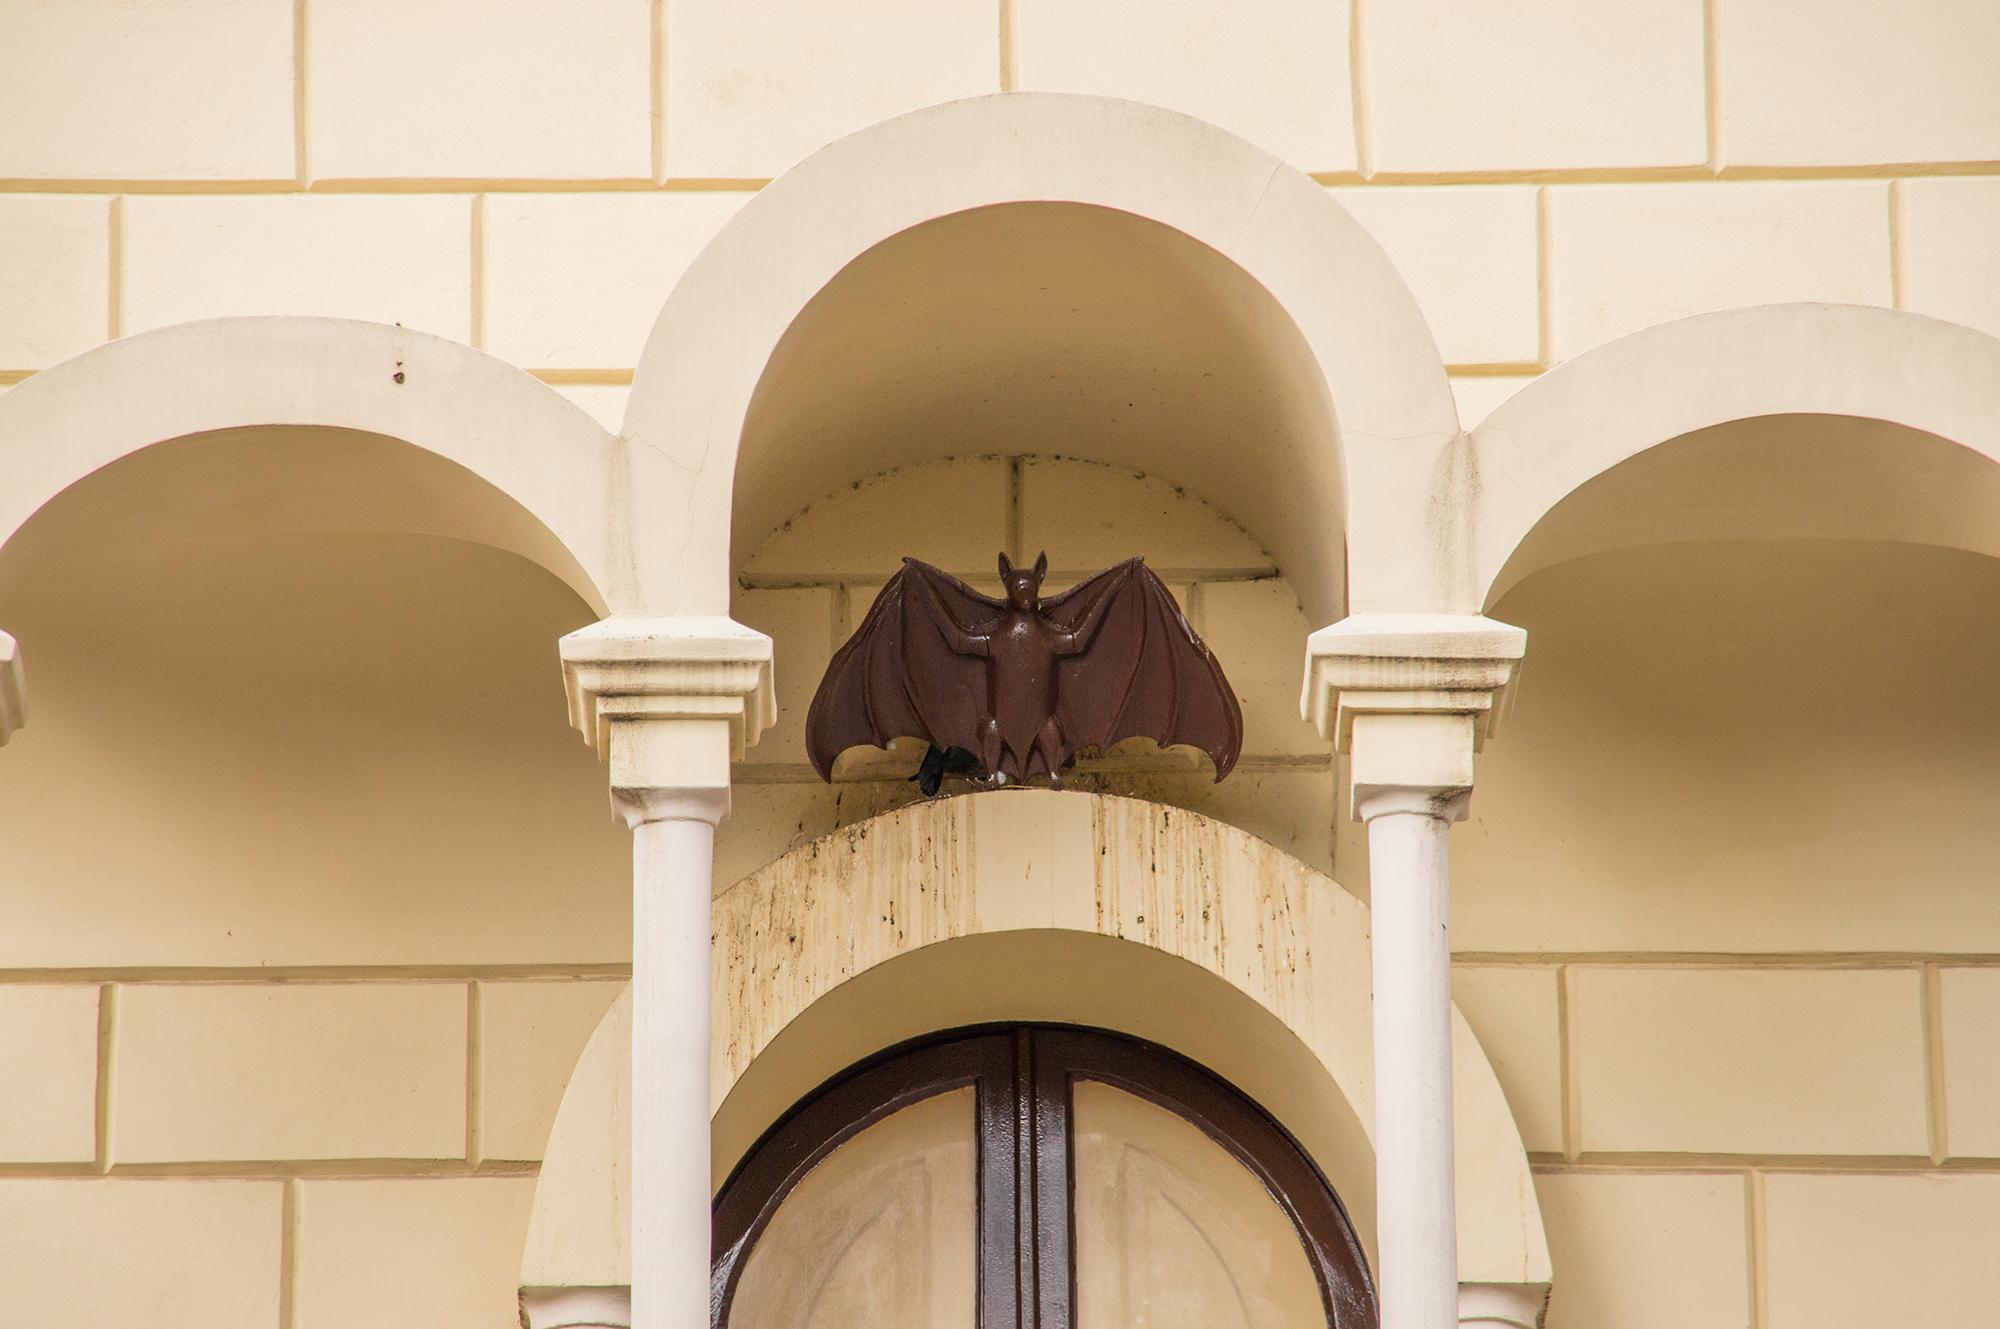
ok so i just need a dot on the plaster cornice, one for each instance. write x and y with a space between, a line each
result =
1408 664
691 668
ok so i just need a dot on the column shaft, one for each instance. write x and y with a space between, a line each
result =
671 897
1416 1227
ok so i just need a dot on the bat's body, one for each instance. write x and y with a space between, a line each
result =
1022 648
1023 683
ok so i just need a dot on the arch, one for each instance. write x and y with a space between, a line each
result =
1580 420
492 455
1044 906
1369 352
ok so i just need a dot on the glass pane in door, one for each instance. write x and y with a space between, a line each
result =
881 1235
1172 1232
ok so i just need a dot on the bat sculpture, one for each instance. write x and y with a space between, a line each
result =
1009 688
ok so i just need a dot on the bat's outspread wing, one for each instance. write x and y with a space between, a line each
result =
1144 673
900 675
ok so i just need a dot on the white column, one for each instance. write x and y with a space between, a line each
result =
673 849
1408 698
1409 893
671 702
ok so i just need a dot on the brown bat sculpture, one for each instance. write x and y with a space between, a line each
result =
1020 685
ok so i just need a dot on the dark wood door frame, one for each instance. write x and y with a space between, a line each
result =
1023 1076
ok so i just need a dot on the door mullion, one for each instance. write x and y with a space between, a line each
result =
1003 1153
1054 1245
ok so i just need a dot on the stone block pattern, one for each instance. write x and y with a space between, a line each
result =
357 1151
1547 175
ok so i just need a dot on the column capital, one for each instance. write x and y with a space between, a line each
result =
670 702
13 696
1410 698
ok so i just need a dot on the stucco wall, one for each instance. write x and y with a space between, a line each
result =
1756 1087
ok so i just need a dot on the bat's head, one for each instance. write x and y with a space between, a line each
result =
1024 586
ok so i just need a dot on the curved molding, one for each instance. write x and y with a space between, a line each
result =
576 1308
570 486
1503 1305
1383 377
1583 418
1039 905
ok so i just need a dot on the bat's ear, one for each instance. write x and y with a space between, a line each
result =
1041 565
1006 568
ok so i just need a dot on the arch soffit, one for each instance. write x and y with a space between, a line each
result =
1609 405
561 473
720 326
909 899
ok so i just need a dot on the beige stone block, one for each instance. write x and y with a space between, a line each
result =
754 85
952 513
768 821
1629 256
1478 394
1272 71
324 1070
516 90
575 281
602 402
1805 85
375 768
1772 1061
196 90
800 624
443 1253
1517 1018
48 1073
1539 85
1952 249
1469 254
1854 1252
1088 516
1646 1252
400 260
1258 632
166 1254
1971 999
1290 807
55 278
530 1035
1625 803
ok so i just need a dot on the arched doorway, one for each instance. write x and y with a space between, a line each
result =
1040 1175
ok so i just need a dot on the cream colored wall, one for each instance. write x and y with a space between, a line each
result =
1546 176
312 898
808 584
1723 909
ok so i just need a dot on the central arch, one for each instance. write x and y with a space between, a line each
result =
1039 906
1354 354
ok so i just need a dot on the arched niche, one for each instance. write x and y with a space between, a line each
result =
1604 409
810 582
1042 272
295 623
490 454
1032 905
1752 718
